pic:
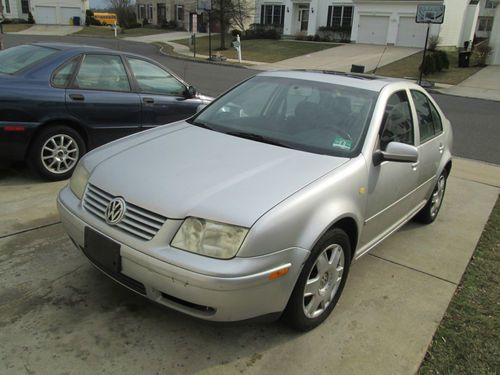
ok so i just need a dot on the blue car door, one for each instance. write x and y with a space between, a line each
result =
163 96
101 98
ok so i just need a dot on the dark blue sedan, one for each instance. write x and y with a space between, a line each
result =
58 101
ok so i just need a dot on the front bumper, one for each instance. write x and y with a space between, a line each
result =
212 289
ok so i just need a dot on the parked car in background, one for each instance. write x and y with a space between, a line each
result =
58 101
258 204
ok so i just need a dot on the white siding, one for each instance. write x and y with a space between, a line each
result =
15 10
459 23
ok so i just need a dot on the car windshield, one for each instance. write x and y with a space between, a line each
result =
14 59
302 114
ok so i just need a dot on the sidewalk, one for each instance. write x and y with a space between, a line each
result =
485 84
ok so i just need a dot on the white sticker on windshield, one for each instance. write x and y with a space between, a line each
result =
342 143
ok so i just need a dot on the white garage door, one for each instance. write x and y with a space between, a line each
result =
45 15
410 33
67 14
373 29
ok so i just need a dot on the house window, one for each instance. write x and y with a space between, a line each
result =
7 6
485 24
150 11
339 16
272 14
141 11
490 4
179 12
25 6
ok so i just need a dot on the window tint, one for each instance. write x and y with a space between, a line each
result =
153 79
397 124
429 121
102 72
14 59
63 75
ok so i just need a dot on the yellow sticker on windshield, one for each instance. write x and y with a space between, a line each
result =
342 143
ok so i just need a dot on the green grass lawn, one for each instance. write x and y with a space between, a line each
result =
408 68
15 27
265 50
468 338
108 32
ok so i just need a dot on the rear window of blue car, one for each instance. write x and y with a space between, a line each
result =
15 59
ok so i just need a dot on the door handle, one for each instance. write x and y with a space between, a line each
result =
77 97
148 100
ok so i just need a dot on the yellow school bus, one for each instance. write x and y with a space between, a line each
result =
106 18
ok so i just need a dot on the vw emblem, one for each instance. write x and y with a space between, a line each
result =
115 211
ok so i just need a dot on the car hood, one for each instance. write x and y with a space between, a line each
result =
190 171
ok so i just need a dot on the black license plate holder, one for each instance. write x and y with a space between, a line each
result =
102 251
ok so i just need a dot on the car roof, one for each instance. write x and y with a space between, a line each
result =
357 80
69 46
82 48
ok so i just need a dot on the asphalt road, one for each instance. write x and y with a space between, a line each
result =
476 123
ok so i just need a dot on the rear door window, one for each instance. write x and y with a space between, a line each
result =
102 72
429 120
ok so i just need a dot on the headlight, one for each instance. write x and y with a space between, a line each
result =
78 181
209 238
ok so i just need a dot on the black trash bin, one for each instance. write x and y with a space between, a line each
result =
357 68
463 59
76 21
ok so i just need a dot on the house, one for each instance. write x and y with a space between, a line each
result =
15 9
180 12
46 12
370 21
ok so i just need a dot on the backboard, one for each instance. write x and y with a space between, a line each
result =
430 13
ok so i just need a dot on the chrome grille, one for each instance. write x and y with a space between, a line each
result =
137 221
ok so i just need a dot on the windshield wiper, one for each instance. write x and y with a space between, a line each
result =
258 138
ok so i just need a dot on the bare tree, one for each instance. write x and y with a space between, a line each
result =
231 13
240 12
123 9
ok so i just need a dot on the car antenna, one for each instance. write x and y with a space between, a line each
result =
379 60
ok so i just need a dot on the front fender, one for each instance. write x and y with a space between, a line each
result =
301 219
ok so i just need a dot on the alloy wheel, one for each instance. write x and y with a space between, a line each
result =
323 281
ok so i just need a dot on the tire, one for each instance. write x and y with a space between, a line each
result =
304 313
55 152
431 209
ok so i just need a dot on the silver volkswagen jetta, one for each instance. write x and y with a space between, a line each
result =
258 204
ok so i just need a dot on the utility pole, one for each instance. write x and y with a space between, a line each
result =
1 25
222 25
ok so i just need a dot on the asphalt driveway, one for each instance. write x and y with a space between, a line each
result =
59 314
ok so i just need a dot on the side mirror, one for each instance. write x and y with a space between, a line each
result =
191 92
396 151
